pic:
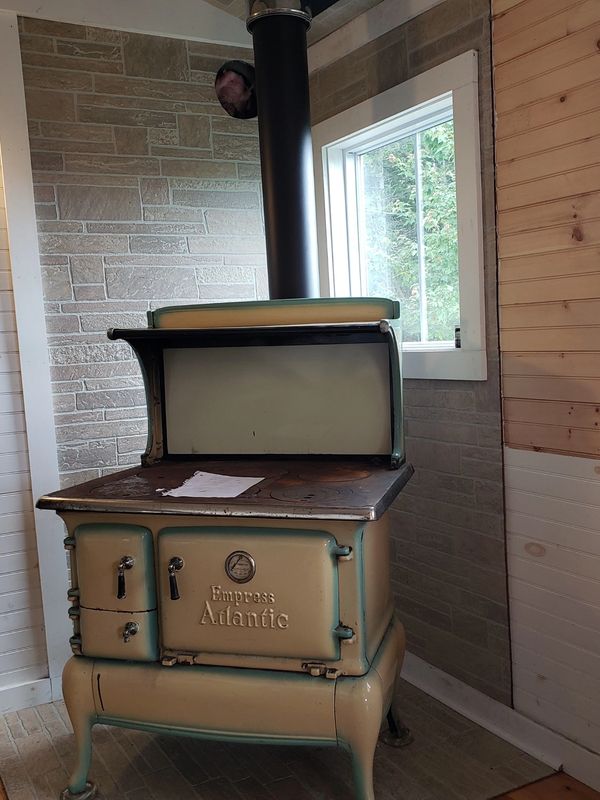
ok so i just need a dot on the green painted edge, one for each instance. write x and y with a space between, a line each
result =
393 306
219 736
394 336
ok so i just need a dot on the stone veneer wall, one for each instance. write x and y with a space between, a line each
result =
147 194
449 565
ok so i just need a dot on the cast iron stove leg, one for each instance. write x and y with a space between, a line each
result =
397 735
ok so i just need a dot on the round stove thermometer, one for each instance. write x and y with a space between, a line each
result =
240 566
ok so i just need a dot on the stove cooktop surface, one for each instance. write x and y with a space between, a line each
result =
290 488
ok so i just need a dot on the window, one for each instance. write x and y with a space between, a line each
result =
399 206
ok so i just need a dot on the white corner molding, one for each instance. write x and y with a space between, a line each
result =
542 743
181 19
367 27
33 347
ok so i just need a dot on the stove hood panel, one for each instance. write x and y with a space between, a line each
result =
304 399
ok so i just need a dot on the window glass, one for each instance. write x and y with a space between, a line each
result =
406 207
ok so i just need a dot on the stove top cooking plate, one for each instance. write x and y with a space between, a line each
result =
359 488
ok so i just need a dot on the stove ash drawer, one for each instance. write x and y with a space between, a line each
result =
115 567
249 591
110 634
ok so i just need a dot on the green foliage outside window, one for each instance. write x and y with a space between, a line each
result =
390 241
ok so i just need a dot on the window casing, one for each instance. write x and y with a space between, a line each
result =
444 95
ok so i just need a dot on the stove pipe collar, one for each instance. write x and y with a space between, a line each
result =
293 8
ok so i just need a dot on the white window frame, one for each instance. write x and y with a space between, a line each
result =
458 78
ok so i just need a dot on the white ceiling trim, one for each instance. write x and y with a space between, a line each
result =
380 19
183 19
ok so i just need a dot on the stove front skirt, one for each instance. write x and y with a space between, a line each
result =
235 705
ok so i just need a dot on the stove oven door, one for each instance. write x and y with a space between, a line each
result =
117 591
250 592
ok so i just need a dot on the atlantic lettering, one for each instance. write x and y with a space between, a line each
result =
231 617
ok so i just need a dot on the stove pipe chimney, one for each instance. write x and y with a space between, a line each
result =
278 28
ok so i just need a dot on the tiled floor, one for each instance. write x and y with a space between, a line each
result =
450 759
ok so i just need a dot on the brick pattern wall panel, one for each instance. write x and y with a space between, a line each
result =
449 561
147 194
547 81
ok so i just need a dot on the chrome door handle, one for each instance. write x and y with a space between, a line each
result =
126 562
130 629
175 564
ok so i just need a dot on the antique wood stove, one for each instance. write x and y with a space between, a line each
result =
236 584
260 612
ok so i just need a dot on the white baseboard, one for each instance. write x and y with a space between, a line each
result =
34 693
547 746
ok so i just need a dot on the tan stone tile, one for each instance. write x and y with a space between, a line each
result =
155 57
126 116
98 203
118 165
36 44
154 191
103 35
163 136
219 221
131 140
236 148
45 211
189 168
180 152
85 180
44 78
66 62
160 89
47 105
246 127
70 130
135 103
46 27
73 244
64 146
194 130
95 50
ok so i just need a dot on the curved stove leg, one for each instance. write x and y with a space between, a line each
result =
79 699
358 713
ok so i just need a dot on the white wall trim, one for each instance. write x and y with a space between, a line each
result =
182 19
33 346
34 693
547 746
365 28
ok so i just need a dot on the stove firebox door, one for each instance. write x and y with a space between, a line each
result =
117 591
249 591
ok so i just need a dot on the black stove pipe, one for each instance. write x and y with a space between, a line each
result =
278 28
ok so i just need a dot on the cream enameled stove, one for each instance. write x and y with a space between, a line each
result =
266 614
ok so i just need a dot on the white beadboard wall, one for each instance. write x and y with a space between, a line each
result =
553 537
22 643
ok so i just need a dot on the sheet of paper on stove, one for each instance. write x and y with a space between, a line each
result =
209 484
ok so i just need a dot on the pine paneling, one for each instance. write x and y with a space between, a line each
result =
22 643
547 100
553 538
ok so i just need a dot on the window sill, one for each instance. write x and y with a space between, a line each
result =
445 365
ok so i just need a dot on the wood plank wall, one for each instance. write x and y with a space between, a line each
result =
547 99
22 643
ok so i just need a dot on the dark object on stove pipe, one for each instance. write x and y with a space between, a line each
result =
278 28
234 85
